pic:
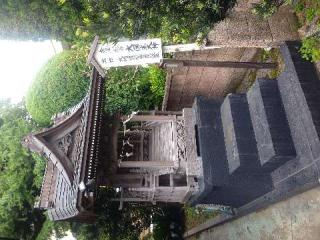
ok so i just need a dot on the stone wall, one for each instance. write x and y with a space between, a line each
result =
244 29
240 35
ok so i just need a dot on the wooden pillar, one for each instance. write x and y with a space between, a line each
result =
146 164
217 64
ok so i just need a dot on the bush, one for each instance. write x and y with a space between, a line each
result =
157 80
112 223
169 223
49 228
59 85
310 49
134 88
308 11
265 9
64 81
125 89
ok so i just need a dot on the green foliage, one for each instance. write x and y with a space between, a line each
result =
171 220
157 79
310 49
112 223
194 217
79 21
265 9
308 12
38 170
38 19
64 81
59 85
134 88
299 6
18 218
49 228
127 89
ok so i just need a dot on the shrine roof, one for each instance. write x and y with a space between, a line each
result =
71 147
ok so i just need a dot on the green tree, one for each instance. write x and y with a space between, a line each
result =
74 21
38 20
131 89
19 182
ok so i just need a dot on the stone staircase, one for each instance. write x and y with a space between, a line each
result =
264 143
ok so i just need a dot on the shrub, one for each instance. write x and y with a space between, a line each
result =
265 9
157 79
49 228
59 85
310 49
310 14
134 88
64 81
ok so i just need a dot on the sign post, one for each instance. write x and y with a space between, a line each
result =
149 51
129 53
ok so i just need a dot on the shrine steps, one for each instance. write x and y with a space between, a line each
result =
265 143
270 124
211 143
240 143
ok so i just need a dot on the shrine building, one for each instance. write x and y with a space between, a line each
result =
245 151
143 156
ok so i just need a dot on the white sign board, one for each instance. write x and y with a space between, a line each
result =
129 53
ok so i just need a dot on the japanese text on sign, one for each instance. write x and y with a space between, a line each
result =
129 53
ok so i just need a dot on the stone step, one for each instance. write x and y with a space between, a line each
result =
271 129
300 92
240 190
210 141
241 146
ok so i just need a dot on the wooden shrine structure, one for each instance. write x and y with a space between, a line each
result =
71 148
245 151
145 158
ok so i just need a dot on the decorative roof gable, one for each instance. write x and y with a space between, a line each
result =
71 147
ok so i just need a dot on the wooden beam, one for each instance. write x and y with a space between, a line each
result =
168 112
142 189
98 67
130 200
146 164
93 49
155 118
157 112
131 176
217 64
186 48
